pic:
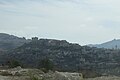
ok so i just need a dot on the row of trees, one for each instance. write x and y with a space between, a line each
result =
44 64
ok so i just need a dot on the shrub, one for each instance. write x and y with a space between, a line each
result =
46 65
5 73
34 78
90 74
13 63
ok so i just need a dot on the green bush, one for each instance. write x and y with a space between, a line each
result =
45 65
13 64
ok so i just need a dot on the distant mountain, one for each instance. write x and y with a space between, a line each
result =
113 44
65 56
8 42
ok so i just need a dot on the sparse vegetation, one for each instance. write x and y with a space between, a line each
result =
13 63
45 65
34 78
5 73
90 74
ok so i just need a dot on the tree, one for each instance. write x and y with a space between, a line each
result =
46 64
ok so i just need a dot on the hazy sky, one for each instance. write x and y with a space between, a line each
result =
80 21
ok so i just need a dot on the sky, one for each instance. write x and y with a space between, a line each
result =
77 21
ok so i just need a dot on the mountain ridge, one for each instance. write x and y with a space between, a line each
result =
113 44
9 42
65 56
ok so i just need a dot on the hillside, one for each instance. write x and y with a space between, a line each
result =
8 42
113 44
66 56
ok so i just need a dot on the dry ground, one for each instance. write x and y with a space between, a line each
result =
24 74
105 78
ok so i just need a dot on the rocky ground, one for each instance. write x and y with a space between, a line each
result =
105 78
27 78
14 78
36 74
